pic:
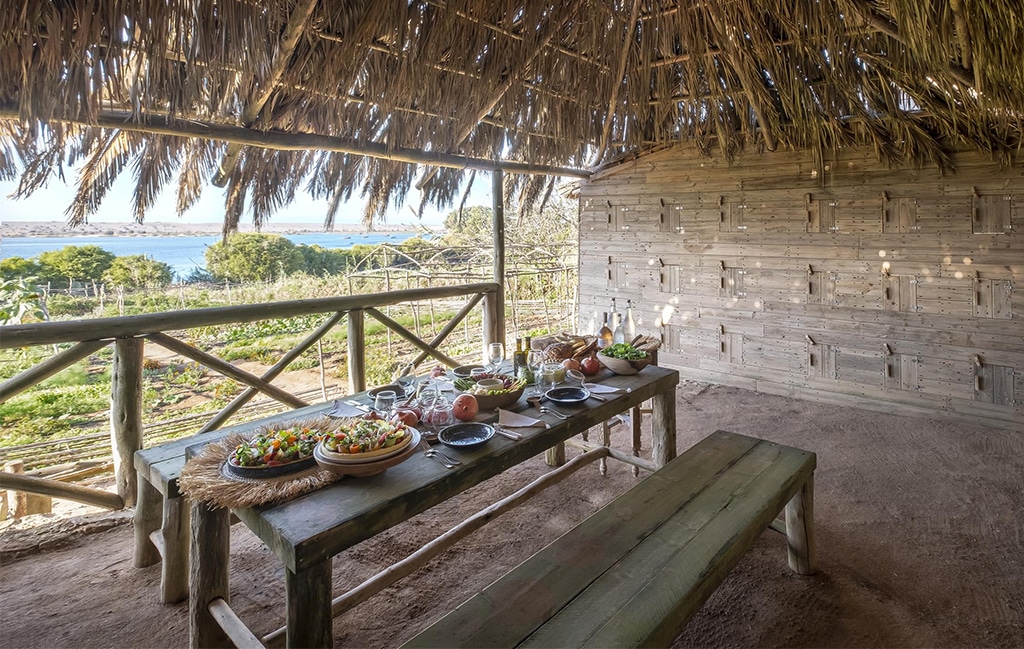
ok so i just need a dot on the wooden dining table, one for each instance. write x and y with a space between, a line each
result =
306 532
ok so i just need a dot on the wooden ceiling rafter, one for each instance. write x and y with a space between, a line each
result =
289 40
617 82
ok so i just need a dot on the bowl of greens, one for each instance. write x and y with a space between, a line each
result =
623 358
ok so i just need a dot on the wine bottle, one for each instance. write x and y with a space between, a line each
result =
618 334
604 336
630 327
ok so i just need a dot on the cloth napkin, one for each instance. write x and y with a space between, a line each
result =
597 388
515 420
342 409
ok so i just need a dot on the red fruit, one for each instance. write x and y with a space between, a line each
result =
408 417
465 407
372 415
590 366
437 371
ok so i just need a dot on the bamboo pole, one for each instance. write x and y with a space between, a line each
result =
46 369
494 331
64 491
126 414
284 141
227 369
45 333
421 557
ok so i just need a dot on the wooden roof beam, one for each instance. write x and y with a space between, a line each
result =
289 40
618 82
511 34
282 141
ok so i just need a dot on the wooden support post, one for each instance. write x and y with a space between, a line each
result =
308 602
555 456
800 529
663 427
356 351
146 521
209 575
25 502
498 234
126 414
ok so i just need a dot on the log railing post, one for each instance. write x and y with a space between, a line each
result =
356 351
497 330
126 414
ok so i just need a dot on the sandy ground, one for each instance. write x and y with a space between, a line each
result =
919 531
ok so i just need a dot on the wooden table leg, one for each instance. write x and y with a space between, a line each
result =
637 420
211 552
800 529
555 456
308 603
146 521
174 572
663 426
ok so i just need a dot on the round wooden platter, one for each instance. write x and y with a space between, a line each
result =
369 456
369 467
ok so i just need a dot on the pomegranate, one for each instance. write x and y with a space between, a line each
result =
571 364
590 366
465 407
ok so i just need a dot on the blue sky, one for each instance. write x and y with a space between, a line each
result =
48 204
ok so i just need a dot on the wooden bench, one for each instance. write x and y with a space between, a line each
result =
635 572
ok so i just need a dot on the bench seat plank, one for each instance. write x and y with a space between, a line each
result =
640 551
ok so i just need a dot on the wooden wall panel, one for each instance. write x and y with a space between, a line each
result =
838 280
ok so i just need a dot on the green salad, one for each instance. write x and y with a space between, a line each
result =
275 448
624 351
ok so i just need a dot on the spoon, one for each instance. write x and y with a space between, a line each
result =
556 413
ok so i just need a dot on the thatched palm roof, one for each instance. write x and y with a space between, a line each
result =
176 92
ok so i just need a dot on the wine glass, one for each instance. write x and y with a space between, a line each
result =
495 354
535 361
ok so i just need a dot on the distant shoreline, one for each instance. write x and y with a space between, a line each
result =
17 229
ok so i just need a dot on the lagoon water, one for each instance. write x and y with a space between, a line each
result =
182 254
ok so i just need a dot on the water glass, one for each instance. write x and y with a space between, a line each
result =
535 361
550 375
384 401
495 354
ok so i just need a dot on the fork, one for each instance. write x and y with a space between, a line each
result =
449 463
557 413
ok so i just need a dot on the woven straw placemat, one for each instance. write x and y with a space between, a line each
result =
204 479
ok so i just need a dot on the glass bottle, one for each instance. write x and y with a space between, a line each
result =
604 336
618 334
613 317
518 358
630 326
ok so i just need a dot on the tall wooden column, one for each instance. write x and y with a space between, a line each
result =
494 317
126 414
356 351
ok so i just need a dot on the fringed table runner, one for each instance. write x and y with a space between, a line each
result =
205 478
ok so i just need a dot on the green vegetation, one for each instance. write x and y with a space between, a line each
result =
137 271
76 263
252 257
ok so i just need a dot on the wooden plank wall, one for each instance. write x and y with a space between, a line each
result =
839 280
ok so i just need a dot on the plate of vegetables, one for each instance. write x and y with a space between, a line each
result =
366 440
490 398
277 450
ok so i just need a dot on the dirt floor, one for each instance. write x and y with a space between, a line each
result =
919 531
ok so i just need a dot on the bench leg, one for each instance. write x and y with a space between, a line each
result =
800 529
606 440
174 572
637 420
146 521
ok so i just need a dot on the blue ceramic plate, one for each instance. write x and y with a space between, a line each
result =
567 396
467 435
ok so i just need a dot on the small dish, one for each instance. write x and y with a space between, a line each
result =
567 396
463 371
466 435
394 387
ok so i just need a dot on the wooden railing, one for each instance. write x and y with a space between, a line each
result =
129 333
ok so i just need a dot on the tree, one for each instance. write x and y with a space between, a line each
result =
251 257
138 271
81 263
20 301
18 267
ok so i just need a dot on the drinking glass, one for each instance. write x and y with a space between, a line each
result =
535 361
549 375
384 401
495 354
